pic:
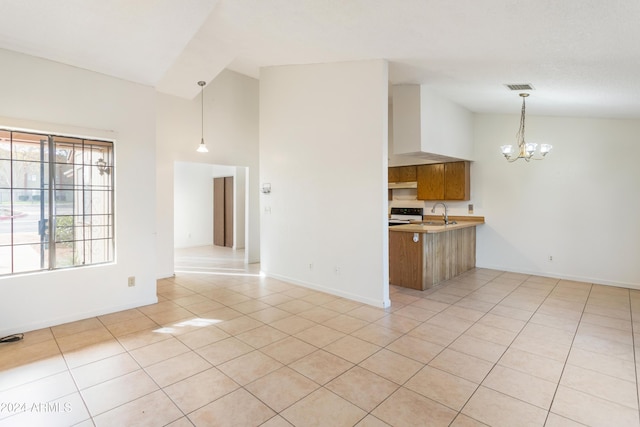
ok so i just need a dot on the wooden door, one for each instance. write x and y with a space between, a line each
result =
228 211
218 211
223 211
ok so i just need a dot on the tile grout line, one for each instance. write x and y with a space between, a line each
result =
66 363
243 387
508 347
462 333
635 358
120 376
599 353
236 284
458 412
564 365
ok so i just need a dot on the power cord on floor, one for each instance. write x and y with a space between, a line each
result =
11 338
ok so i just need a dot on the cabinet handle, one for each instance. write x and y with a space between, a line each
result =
416 237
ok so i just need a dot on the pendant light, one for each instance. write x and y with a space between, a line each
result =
525 150
202 148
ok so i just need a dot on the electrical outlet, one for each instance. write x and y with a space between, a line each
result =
337 270
470 208
131 281
310 266
550 258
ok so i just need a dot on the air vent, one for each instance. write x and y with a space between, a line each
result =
520 86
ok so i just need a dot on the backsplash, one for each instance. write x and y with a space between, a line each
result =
406 198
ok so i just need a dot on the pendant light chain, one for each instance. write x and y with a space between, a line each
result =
520 134
202 112
202 148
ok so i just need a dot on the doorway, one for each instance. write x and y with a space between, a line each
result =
194 209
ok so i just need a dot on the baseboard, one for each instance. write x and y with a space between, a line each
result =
331 291
575 278
33 326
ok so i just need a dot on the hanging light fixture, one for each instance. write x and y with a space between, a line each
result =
202 148
526 150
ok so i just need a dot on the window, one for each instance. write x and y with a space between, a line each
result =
56 202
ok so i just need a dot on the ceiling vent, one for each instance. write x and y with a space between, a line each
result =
520 86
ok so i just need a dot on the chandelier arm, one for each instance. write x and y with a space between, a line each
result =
511 159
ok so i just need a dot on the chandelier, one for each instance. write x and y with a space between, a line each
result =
525 150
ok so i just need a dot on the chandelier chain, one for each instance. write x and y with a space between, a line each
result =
520 134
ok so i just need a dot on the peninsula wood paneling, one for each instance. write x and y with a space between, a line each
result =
436 258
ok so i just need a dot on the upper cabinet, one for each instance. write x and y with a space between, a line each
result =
444 181
431 181
457 181
402 174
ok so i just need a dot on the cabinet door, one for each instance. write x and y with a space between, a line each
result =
457 181
407 173
406 260
402 174
430 181
394 174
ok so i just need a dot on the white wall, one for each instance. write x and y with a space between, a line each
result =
42 95
579 205
323 148
193 205
231 135
239 207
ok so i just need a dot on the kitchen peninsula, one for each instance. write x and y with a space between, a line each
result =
423 254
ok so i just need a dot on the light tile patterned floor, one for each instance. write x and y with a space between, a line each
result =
224 347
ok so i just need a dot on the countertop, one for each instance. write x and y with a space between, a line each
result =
438 226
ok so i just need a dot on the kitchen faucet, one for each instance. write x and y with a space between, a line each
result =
446 211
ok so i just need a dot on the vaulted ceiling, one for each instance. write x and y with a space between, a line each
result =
581 56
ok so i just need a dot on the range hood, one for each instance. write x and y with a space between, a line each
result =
428 127
410 184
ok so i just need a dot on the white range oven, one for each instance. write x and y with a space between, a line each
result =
400 216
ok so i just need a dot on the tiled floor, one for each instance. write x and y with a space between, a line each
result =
225 347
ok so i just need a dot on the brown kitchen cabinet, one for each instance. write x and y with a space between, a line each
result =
431 181
402 174
444 181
